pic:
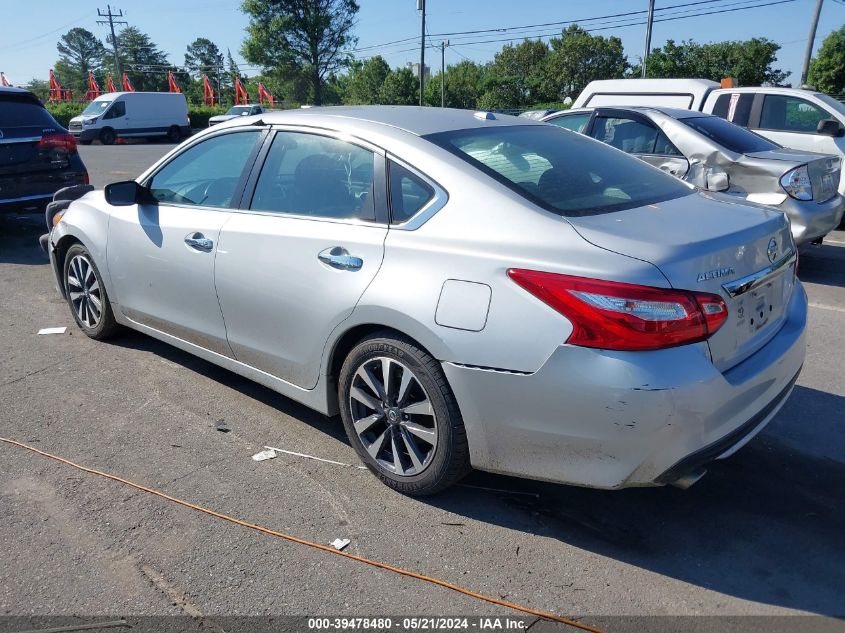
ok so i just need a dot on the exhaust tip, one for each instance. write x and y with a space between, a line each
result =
689 479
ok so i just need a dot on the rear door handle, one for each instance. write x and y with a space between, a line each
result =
338 257
199 242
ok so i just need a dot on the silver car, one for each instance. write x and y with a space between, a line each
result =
465 289
717 155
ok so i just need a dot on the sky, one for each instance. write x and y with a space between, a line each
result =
31 28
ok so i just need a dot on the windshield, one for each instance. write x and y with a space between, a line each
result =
562 171
730 136
97 107
238 109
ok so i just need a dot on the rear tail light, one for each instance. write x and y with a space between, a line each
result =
796 182
64 141
619 316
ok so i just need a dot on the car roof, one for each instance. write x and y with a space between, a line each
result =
417 120
675 113
13 90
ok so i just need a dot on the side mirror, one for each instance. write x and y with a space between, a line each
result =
718 180
830 127
127 193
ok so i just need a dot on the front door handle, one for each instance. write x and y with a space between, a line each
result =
199 242
338 257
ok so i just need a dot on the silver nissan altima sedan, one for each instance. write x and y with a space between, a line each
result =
465 289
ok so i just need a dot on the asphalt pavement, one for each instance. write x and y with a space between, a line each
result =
761 534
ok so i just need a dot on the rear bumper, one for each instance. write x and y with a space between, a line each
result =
33 190
811 220
618 419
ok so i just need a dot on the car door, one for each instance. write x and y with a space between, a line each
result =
791 121
635 134
161 256
293 263
575 121
116 118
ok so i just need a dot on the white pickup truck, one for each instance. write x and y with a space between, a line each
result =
792 117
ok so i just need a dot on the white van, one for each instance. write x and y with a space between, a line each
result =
793 117
132 114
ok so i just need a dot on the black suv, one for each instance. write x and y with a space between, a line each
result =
37 155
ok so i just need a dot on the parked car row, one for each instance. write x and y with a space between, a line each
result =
467 290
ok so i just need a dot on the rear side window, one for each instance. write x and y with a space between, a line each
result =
790 114
564 173
17 112
574 122
408 193
319 176
735 107
730 136
633 136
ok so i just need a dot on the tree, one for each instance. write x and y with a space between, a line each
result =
827 70
366 80
202 57
577 58
141 59
750 62
400 87
79 52
463 86
306 38
513 79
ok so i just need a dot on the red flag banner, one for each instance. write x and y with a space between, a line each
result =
93 88
171 82
4 81
110 84
241 96
127 85
265 95
207 92
57 93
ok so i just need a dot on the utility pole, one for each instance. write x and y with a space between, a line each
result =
111 22
649 24
443 46
421 7
811 39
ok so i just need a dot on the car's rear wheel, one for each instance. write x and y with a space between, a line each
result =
86 294
107 136
174 134
401 416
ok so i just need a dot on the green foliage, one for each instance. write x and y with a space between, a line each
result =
827 70
400 87
200 114
203 57
576 59
750 62
513 79
142 61
40 88
64 112
307 39
462 86
366 80
79 52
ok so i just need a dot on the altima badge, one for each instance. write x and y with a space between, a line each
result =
715 274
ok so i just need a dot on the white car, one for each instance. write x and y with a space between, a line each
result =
236 111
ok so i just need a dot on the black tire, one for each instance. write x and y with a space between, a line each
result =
100 326
449 458
107 136
174 134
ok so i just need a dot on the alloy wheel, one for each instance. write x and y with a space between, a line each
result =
84 291
393 416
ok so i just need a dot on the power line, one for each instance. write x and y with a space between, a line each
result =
111 22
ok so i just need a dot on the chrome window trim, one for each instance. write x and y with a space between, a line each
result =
437 201
28 139
755 280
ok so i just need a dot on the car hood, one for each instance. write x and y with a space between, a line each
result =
219 118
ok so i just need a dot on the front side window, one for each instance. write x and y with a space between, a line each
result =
790 114
574 122
565 173
319 176
116 111
736 139
408 193
207 173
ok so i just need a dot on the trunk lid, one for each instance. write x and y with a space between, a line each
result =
23 123
823 169
704 242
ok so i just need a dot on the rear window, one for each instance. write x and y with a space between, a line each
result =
729 136
565 173
18 112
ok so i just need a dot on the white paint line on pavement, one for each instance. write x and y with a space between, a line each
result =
822 306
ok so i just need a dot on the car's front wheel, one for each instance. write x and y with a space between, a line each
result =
401 416
86 294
